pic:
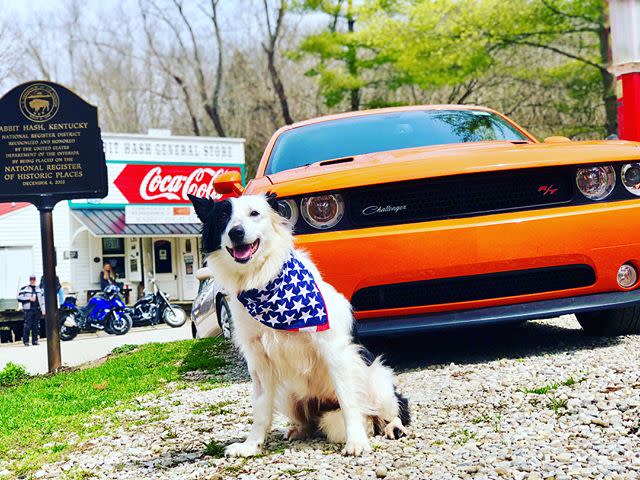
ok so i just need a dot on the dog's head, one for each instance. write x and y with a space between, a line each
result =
240 230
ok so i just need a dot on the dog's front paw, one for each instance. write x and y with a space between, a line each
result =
242 449
356 447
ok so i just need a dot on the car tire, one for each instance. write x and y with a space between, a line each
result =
225 319
194 330
610 323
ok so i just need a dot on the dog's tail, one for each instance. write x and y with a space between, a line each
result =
403 408
384 375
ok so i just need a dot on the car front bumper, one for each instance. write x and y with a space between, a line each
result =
495 315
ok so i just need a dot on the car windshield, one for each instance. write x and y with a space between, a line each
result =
386 131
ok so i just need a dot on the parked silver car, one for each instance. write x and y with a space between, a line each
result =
210 313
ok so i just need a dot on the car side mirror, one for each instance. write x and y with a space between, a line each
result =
556 139
203 274
229 183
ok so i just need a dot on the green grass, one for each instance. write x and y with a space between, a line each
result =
214 449
12 374
542 390
557 405
461 437
40 414
214 409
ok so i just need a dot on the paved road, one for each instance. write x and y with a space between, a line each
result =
87 347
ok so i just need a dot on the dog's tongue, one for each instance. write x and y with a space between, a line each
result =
243 252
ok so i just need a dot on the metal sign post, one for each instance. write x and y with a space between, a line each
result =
50 300
50 150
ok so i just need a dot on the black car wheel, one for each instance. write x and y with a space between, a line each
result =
621 321
225 319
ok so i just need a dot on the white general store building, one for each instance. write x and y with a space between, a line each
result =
145 225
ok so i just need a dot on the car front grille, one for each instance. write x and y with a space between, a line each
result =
460 196
474 287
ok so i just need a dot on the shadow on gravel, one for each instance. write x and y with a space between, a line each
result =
482 344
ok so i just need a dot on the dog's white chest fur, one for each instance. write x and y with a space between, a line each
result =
292 357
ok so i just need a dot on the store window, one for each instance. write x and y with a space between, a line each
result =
113 252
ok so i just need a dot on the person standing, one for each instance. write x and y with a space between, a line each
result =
60 292
30 296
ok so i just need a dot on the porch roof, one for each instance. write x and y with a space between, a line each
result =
110 222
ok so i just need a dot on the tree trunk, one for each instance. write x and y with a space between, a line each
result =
608 80
278 87
351 60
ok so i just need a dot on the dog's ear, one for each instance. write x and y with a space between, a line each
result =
202 206
272 200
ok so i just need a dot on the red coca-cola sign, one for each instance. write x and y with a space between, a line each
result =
168 183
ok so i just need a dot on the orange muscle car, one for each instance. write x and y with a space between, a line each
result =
433 216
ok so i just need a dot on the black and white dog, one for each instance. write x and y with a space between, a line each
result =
294 331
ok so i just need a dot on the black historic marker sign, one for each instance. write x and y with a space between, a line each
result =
50 146
50 150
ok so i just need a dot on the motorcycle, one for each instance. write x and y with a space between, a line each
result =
155 307
105 311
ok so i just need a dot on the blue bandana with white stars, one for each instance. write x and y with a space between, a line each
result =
291 301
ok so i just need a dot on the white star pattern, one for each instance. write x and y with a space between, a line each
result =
291 301
288 294
304 291
273 320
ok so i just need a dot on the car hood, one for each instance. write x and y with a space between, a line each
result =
438 161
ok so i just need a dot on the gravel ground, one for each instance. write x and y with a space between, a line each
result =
535 401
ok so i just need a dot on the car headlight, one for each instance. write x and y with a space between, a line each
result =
289 210
631 177
596 183
322 211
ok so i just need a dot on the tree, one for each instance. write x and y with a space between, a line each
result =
188 52
273 33
342 57
577 30
432 43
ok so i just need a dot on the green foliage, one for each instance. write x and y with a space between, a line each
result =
12 374
126 348
46 409
540 58
344 59
214 449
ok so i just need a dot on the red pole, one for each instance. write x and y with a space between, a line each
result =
629 107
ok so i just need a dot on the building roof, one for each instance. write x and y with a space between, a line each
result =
11 207
111 222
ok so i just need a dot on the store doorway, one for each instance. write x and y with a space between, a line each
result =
164 266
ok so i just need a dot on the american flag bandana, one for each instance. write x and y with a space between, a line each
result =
292 301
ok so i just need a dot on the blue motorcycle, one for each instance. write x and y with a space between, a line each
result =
105 311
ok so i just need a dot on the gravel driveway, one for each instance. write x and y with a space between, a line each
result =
538 400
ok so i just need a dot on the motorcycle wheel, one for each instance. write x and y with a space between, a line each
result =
119 325
67 333
175 318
